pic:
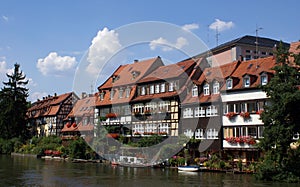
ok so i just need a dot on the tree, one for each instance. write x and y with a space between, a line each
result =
281 118
13 106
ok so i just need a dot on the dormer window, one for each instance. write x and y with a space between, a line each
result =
112 93
101 96
263 79
135 74
127 92
216 87
246 81
143 90
157 88
195 91
163 87
151 89
229 83
121 91
206 89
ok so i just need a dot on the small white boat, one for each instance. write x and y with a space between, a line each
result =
188 168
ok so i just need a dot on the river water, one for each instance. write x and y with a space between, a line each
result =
27 171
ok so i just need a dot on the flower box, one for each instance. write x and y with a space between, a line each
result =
231 115
245 115
111 115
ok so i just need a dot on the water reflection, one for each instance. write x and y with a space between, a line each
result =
24 171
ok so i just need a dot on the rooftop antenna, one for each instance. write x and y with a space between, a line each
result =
217 35
256 41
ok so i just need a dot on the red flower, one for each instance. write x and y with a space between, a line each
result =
245 114
111 115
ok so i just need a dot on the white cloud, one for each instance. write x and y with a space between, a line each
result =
221 25
103 46
5 18
190 27
53 64
166 45
4 70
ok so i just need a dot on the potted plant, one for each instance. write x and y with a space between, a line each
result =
245 115
230 115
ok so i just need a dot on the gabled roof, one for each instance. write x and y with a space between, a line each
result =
169 71
130 73
217 73
48 106
255 68
83 107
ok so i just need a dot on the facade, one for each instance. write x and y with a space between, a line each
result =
243 102
156 106
113 108
80 121
243 48
46 116
202 108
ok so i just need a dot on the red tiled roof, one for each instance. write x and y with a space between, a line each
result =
253 68
124 73
294 47
83 107
116 100
169 71
49 106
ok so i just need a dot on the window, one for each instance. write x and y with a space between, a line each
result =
206 89
246 81
163 87
248 51
248 57
199 134
195 91
151 89
121 91
126 110
188 132
187 113
112 93
260 132
229 83
199 112
143 90
249 107
264 53
211 111
138 128
171 86
127 92
151 128
138 108
157 88
216 87
264 79
212 134
164 127
101 96
252 131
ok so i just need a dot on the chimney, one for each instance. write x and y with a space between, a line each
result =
83 95
136 61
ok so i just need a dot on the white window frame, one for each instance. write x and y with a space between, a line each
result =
212 134
199 112
195 91
143 90
152 89
157 88
216 87
229 83
187 113
171 86
162 87
164 127
101 96
264 79
199 134
112 93
127 92
189 133
246 81
206 89
121 91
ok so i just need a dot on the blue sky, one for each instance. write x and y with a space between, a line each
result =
50 39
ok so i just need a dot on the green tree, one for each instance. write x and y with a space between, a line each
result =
13 106
281 118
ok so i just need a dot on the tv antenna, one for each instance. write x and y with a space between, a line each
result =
217 35
256 41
